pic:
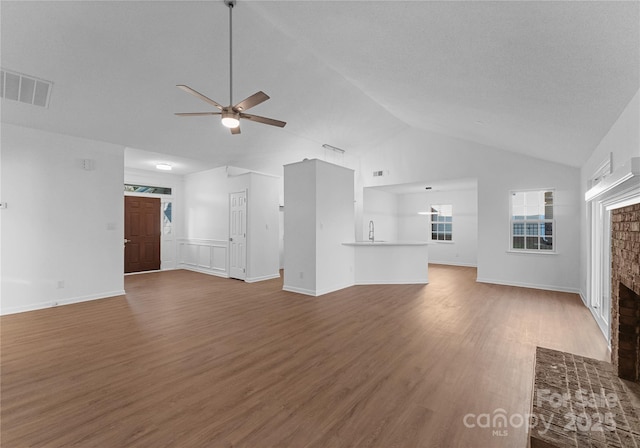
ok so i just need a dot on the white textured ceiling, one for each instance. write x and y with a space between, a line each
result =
543 78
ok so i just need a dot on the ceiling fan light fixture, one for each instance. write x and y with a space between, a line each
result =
230 120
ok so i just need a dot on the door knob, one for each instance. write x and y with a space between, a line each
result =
126 241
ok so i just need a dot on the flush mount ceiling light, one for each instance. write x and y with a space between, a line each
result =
164 167
231 115
333 148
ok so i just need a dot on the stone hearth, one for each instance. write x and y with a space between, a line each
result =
581 402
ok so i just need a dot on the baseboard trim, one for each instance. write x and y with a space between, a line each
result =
583 298
453 263
315 293
126 274
306 292
603 330
397 282
261 278
529 285
203 271
332 289
55 303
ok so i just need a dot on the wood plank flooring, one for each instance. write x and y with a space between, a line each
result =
190 360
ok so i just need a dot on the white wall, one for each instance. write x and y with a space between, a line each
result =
204 246
206 203
63 223
623 141
463 250
300 227
318 218
381 207
334 225
281 235
168 246
263 232
418 155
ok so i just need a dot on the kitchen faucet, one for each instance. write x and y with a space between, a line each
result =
371 237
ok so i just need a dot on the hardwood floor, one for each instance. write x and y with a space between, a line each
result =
190 360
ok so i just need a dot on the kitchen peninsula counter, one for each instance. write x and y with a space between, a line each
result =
390 262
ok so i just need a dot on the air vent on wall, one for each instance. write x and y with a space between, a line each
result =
26 89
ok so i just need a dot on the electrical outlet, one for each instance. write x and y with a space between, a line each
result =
60 284
301 274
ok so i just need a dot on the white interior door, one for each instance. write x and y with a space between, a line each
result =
238 235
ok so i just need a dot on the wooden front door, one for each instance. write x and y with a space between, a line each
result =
142 234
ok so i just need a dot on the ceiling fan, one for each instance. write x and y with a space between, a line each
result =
231 115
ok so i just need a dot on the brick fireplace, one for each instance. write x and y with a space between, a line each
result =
625 292
566 374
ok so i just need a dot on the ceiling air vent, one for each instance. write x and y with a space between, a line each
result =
26 89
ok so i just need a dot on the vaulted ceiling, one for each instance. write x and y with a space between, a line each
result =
547 79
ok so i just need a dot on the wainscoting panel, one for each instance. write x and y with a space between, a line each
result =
219 258
204 257
207 256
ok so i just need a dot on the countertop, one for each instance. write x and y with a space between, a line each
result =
386 243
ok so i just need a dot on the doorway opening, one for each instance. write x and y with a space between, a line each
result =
443 213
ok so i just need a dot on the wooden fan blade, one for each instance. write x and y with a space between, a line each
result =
253 100
235 130
264 120
195 93
196 114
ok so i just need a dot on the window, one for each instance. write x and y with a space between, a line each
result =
167 218
146 189
441 222
532 223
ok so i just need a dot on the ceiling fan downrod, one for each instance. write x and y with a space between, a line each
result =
230 4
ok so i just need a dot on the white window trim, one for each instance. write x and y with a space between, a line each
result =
451 241
510 248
